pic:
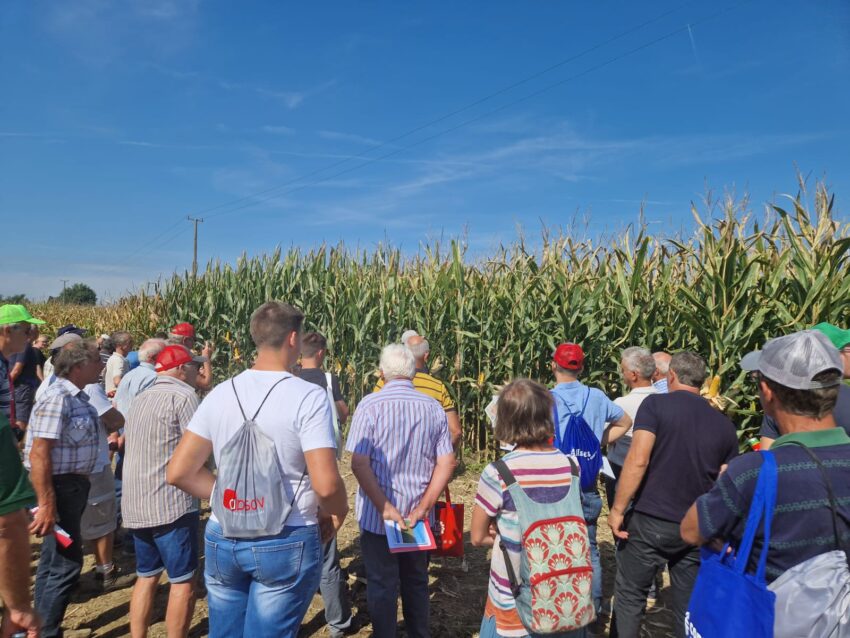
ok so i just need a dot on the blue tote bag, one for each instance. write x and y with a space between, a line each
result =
726 601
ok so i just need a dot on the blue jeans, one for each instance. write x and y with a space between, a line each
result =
334 589
59 568
591 505
388 573
261 587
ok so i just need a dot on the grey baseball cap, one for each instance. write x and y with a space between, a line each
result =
795 359
63 340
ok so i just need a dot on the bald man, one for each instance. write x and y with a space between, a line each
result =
662 365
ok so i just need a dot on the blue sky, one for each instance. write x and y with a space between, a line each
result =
118 119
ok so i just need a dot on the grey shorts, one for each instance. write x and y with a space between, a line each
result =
101 514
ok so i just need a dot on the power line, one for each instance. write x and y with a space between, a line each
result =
146 247
252 200
457 111
255 201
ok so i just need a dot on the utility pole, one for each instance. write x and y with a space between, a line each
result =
196 221
64 281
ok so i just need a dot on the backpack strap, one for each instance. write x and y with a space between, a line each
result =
563 401
262 403
833 506
509 479
586 399
505 472
559 438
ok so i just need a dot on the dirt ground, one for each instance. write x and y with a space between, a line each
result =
458 587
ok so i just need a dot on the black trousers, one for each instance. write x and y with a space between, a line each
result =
611 483
652 543
60 567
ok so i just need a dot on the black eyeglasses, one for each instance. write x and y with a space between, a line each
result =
754 376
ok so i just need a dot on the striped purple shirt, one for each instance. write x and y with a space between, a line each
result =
402 431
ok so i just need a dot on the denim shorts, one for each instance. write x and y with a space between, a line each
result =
172 547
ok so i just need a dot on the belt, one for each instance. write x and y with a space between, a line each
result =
71 476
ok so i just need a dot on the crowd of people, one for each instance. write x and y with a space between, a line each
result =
104 444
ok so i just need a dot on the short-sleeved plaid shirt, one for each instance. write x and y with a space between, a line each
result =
65 415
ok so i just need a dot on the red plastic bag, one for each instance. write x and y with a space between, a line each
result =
449 528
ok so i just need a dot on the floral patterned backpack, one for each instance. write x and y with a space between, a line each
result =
553 590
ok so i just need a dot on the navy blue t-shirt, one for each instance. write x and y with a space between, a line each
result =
802 520
29 374
692 441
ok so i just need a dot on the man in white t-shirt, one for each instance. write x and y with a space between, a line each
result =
263 586
637 366
117 365
100 518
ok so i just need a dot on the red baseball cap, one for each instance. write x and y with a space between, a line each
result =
173 356
184 330
569 356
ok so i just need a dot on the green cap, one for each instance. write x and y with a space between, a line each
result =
839 337
15 313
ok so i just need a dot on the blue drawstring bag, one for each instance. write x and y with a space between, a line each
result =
579 441
726 601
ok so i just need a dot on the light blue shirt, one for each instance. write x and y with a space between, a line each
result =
402 431
661 386
132 385
599 412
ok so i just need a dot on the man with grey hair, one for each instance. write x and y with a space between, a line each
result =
402 436
637 366
662 365
61 452
799 380
117 365
679 445
426 383
140 378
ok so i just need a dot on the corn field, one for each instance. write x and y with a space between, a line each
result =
720 292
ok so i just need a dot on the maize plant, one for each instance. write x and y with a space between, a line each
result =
734 283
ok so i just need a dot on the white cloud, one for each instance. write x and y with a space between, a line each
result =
348 137
13 134
101 32
290 99
185 147
278 130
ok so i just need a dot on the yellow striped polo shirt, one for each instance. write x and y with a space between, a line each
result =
430 385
